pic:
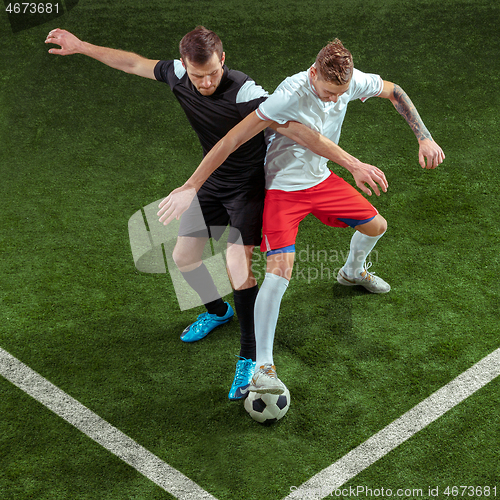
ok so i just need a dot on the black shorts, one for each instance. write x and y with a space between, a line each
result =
216 207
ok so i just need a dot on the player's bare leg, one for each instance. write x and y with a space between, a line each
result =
376 227
355 270
239 266
281 264
187 253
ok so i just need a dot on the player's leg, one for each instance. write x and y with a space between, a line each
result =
205 210
244 207
338 204
245 289
363 241
282 215
239 268
374 228
187 255
267 309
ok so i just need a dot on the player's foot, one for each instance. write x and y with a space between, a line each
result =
372 283
242 378
265 380
205 324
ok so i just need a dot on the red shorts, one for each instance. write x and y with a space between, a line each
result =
329 201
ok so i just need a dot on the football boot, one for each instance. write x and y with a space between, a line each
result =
372 283
265 380
204 324
242 378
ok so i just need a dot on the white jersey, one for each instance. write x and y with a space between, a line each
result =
289 166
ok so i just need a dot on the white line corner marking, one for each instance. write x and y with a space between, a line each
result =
396 433
183 488
56 400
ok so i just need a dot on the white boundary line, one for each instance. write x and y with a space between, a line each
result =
56 400
318 487
333 477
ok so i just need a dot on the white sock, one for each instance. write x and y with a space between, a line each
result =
267 309
361 246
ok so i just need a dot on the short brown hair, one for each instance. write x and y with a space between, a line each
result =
334 63
199 45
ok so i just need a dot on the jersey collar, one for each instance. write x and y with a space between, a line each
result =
310 82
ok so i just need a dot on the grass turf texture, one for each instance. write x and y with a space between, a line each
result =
85 146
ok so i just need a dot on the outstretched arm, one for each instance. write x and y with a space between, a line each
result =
118 59
428 149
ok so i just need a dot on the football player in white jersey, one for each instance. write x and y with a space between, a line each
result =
299 182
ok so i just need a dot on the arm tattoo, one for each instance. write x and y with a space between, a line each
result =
407 110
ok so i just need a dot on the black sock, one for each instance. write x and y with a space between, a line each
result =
218 307
244 301
201 282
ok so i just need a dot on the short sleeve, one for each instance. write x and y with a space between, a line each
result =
281 107
249 97
365 85
169 71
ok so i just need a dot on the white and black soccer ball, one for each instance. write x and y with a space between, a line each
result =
267 408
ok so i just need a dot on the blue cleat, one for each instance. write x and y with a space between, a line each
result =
205 324
242 377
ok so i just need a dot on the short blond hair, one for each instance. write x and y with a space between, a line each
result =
334 63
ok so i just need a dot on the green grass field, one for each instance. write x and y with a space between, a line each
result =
83 147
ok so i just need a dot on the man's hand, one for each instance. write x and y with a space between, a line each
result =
175 204
69 43
430 151
364 173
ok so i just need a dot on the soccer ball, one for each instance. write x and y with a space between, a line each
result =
267 408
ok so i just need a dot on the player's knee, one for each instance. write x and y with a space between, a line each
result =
376 227
239 266
239 255
183 260
178 258
280 261
382 225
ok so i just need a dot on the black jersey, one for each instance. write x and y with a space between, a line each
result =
212 117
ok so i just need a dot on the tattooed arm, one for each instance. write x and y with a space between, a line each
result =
428 149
